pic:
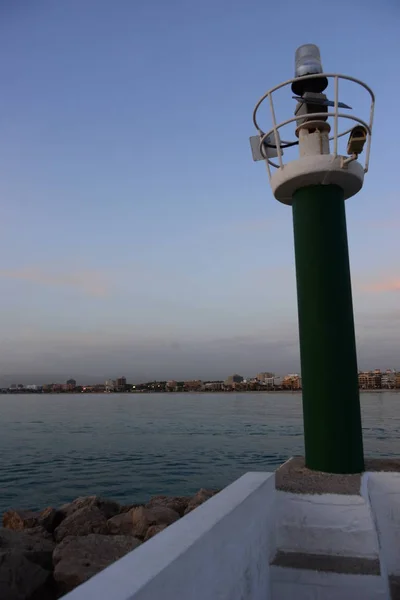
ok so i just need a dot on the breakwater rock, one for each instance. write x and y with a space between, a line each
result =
45 554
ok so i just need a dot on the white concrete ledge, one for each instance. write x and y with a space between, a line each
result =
220 551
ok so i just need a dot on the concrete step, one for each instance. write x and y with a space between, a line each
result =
323 513
334 530
306 576
327 563
331 524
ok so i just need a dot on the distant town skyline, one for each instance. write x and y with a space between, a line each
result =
138 235
40 380
377 379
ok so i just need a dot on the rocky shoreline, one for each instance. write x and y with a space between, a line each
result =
45 554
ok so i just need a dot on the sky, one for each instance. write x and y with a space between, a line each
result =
138 237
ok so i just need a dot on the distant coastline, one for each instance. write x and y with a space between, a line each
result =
202 392
265 381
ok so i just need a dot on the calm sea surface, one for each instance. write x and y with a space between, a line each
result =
54 448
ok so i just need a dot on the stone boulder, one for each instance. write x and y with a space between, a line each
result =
153 530
20 519
109 508
49 519
21 579
127 507
121 524
76 559
35 544
85 520
143 518
177 503
198 499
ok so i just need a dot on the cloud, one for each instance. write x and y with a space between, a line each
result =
110 351
90 282
390 284
104 352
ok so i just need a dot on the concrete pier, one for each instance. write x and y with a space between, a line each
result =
290 534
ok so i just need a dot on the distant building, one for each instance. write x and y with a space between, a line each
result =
121 383
377 375
397 380
110 385
171 386
193 386
272 382
214 386
364 380
389 379
99 387
70 385
234 379
263 377
370 380
291 382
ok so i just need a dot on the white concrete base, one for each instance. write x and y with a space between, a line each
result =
324 169
329 524
297 584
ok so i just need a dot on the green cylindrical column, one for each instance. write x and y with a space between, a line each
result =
331 403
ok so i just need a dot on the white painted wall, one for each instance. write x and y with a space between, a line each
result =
384 494
325 524
220 551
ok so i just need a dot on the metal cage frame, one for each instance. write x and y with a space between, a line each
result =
335 114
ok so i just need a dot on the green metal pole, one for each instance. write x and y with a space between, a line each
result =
331 403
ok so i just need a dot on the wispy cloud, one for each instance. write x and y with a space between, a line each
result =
90 282
390 284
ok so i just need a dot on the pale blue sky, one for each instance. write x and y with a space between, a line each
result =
138 236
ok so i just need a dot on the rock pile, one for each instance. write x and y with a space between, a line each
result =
44 555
